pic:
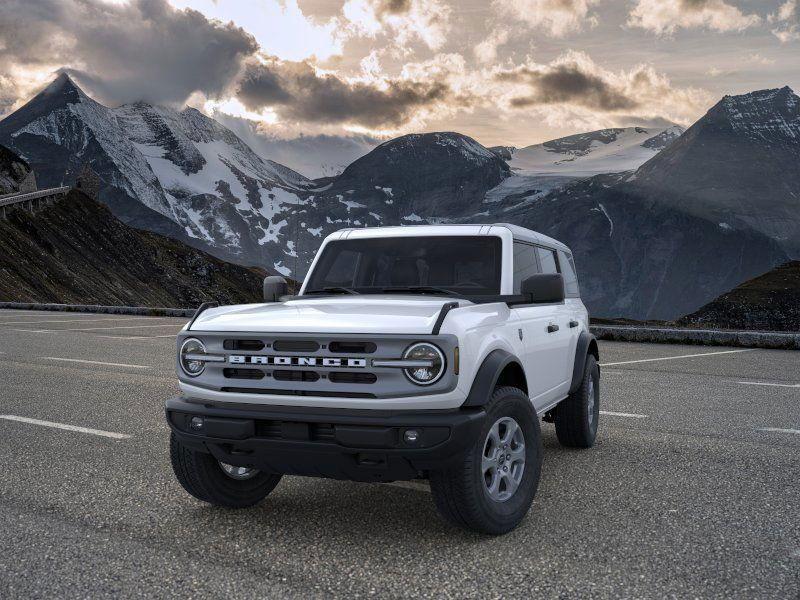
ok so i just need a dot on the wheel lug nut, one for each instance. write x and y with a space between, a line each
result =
505 468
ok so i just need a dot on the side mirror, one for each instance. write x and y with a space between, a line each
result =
544 287
275 286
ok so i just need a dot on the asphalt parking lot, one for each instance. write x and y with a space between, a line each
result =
692 490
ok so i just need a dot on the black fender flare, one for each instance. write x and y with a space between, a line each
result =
587 344
486 378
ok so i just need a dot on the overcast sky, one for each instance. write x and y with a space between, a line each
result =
503 71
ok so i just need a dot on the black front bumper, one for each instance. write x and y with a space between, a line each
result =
359 445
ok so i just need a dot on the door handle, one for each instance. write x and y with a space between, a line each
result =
552 328
573 324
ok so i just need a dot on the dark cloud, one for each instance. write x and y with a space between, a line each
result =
393 7
297 92
141 50
566 83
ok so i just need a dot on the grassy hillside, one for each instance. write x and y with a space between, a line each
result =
76 251
768 302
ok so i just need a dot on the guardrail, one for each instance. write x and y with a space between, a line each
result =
7 200
707 337
619 333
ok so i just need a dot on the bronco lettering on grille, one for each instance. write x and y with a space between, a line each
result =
298 361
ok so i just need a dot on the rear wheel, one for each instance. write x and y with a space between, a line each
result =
492 486
218 483
577 416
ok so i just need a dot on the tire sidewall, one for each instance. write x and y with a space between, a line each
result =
510 402
592 373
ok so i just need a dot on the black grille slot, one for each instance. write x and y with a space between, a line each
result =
285 375
268 429
353 347
247 345
274 392
295 346
243 373
349 377
322 432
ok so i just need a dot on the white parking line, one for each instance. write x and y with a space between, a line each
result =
786 385
644 360
411 485
136 337
78 320
97 328
779 430
94 362
100 432
622 414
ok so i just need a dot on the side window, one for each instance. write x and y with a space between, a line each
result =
525 264
570 275
547 258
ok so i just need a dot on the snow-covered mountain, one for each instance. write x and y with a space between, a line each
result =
177 172
717 206
593 153
738 166
315 156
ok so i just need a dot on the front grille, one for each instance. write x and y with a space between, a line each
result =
246 345
295 346
348 377
243 373
286 375
350 347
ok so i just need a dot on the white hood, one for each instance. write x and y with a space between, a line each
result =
339 314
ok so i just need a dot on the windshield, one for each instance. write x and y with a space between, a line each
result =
468 265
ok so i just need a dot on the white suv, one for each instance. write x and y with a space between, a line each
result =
410 352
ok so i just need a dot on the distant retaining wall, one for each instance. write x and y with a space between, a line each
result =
706 337
94 308
619 333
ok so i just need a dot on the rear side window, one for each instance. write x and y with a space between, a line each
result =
570 275
547 260
525 264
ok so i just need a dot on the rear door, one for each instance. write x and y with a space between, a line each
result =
545 330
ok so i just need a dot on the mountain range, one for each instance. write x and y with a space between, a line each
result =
661 221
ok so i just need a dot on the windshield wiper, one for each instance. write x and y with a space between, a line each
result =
333 290
421 289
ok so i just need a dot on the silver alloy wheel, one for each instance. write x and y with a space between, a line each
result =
238 472
591 401
503 459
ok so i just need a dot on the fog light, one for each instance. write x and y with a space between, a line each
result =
196 423
411 436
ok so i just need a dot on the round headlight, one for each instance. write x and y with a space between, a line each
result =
192 368
426 352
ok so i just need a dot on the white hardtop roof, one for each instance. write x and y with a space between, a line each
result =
519 233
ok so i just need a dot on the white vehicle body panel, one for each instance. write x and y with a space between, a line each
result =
547 358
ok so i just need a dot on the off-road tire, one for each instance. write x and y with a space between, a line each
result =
574 429
459 492
200 474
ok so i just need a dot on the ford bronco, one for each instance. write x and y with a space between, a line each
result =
409 352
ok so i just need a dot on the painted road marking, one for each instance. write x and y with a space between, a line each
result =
411 485
78 320
96 328
100 432
94 362
644 360
136 337
779 430
622 414
786 385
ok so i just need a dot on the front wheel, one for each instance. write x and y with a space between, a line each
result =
218 483
491 487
